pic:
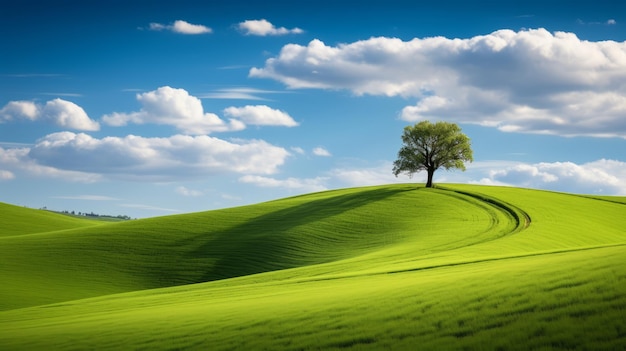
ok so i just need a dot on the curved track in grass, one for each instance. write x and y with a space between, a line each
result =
459 266
520 217
345 231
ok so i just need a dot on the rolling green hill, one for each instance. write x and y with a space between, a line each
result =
387 267
19 221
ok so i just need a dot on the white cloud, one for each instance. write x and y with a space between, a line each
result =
18 161
320 151
261 115
58 111
379 175
598 177
20 109
611 22
6 175
181 190
488 181
298 150
157 26
175 107
309 184
603 176
181 27
263 27
188 28
67 114
529 81
154 159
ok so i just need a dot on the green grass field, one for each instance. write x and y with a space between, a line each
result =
389 267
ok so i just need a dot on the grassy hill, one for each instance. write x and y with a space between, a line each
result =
20 220
461 266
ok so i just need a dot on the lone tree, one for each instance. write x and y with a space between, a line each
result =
427 146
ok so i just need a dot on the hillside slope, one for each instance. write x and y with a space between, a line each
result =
20 220
365 268
200 247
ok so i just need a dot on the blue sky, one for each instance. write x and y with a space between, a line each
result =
149 108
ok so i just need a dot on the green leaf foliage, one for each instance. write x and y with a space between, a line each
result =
430 146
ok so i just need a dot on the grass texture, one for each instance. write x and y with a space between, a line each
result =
388 267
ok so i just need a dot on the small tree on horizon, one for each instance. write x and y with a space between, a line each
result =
430 146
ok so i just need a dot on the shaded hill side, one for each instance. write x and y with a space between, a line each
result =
295 232
389 267
343 232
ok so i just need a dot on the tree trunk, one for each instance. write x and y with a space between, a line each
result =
429 183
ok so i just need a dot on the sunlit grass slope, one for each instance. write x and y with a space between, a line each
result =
17 220
390 267
199 247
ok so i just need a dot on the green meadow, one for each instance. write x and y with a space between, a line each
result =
396 267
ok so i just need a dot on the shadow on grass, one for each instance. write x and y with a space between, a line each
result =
273 241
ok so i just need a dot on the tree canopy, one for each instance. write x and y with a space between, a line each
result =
430 146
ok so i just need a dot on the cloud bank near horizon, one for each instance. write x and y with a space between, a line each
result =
81 157
600 177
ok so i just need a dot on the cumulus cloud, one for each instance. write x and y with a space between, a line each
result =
320 151
175 107
159 159
597 177
298 150
263 27
529 81
6 175
603 176
58 111
68 114
20 109
181 27
261 115
308 184
17 160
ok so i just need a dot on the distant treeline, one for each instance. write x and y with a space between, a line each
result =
91 214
